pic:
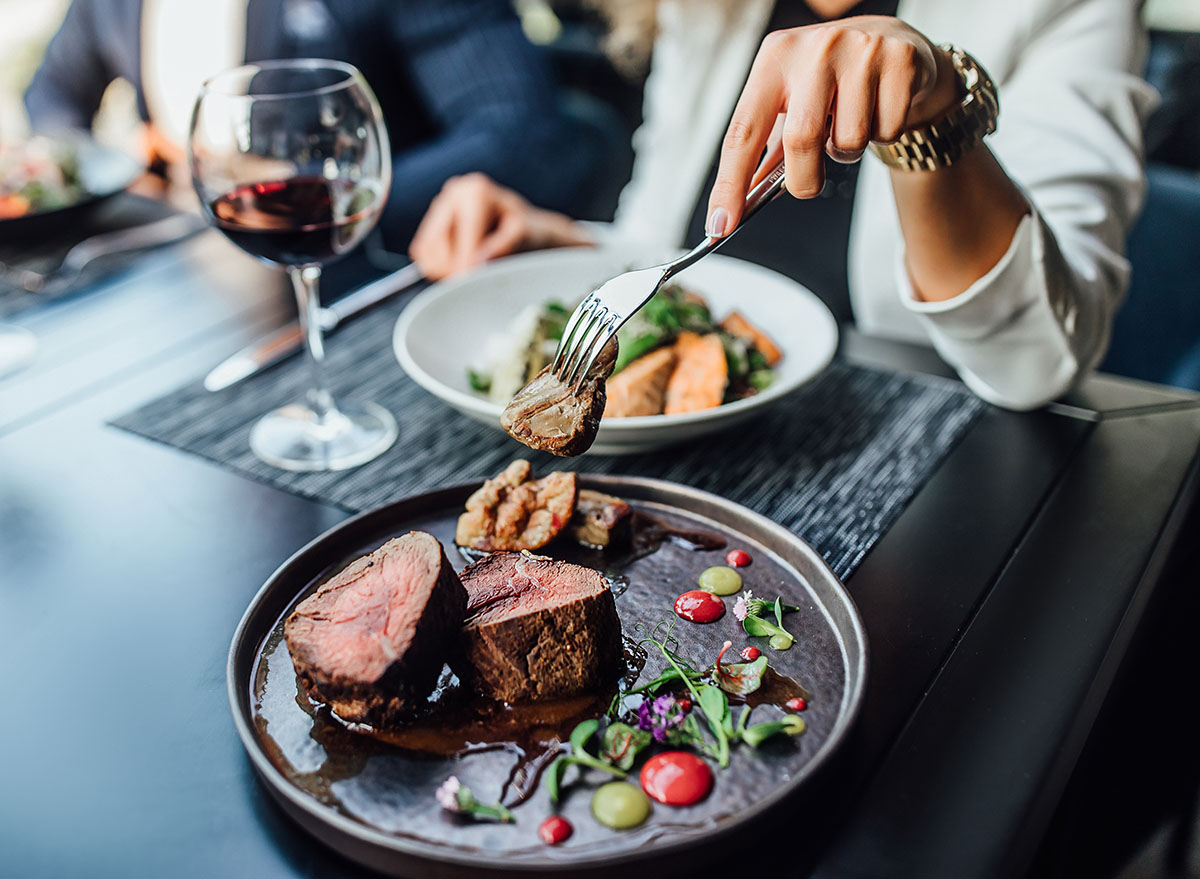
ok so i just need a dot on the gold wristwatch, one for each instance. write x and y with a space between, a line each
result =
943 142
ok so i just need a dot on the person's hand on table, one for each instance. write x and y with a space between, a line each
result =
474 219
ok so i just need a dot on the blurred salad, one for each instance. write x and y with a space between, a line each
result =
37 175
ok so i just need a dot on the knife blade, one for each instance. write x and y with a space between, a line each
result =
272 348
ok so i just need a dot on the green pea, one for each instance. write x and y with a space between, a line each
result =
620 805
720 580
780 642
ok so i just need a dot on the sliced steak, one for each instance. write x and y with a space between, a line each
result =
545 414
512 512
371 641
600 519
537 628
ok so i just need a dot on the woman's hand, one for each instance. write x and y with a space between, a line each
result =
828 88
474 219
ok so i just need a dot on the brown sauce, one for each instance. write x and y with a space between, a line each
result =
776 689
456 722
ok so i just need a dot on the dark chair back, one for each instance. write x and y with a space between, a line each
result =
1159 323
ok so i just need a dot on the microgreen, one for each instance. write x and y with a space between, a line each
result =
579 756
755 735
739 678
621 744
750 611
715 707
454 796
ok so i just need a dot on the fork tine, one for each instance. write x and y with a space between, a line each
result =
583 334
601 338
598 346
564 343
583 345
578 343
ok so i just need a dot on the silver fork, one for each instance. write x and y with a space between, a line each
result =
606 309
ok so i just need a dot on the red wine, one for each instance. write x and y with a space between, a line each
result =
300 221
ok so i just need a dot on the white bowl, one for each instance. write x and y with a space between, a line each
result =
442 331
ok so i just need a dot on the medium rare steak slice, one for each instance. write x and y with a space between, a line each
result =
545 414
538 628
371 641
511 512
600 519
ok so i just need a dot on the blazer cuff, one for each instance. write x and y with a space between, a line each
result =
989 303
1001 334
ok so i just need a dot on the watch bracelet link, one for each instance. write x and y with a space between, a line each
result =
943 142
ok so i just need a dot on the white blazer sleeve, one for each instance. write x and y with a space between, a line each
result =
1069 134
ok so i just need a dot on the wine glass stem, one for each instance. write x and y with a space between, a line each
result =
306 281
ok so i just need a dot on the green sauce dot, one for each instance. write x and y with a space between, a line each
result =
780 642
720 580
620 805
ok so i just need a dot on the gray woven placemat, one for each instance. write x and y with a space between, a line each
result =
836 463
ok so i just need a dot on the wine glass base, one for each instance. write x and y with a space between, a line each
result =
17 349
295 438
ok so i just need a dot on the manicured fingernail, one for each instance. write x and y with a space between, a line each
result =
718 223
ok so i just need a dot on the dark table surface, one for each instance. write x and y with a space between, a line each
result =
999 608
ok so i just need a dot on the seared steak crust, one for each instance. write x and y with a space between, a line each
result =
371 641
511 512
537 628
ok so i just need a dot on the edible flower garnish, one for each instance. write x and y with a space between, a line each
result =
454 796
739 678
748 605
658 715
711 700
682 707
749 610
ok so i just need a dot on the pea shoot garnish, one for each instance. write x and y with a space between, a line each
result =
454 796
750 611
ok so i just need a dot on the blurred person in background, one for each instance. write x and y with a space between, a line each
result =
1009 261
460 87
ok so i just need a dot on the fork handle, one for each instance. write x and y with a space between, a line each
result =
764 192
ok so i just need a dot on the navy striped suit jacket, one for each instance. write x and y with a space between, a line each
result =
460 87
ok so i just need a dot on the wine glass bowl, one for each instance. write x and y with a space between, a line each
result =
291 161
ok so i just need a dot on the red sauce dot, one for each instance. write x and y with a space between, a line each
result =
738 558
555 829
796 704
751 653
699 606
676 778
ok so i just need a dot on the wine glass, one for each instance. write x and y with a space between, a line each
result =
291 161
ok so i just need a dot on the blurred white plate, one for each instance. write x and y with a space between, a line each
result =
445 328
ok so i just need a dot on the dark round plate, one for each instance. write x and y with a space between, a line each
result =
103 173
375 803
